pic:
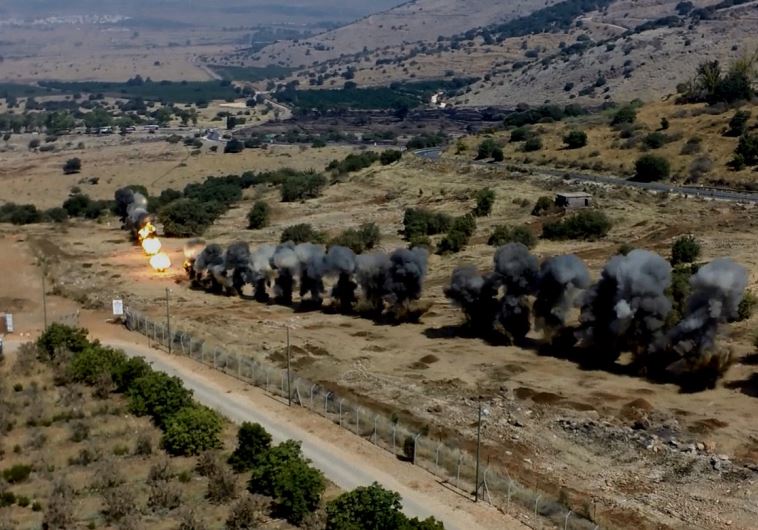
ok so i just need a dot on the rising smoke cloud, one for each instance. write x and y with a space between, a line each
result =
561 280
516 271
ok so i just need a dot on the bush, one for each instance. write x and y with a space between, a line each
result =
258 216
520 134
191 431
654 140
650 168
533 144
747 148
55 215
301 233
738 123
665 123
587 224
366 237
252 441
143 445
485 198
284 475
746 306
390 156
94 361
458 236
58 337
421 222
575 139
234 146
543 205
246 514
503 234
685 249
159 396
487 149
20 214
302 186
625 115
222 485
692 145
72 165
185 218
17 473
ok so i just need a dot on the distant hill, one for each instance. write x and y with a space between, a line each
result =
584 51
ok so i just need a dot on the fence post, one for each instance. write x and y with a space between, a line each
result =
536 503
437 458
313 389
326 404
341 401
215 358
376 417
358 421
394 432
458 471
415 441
239 366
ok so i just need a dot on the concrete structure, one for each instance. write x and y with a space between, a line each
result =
573 199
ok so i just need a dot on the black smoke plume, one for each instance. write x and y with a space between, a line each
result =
287 265
340 262
312 269
561 280
516 271
262 273
192 248
237 262
131 207
627 308
207 266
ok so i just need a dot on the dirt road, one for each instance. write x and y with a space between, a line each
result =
345 459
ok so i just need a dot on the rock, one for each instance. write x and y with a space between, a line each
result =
700 446
710 446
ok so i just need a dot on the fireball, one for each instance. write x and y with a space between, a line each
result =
151 246
160 262
146 231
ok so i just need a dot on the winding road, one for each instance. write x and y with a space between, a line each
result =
435 153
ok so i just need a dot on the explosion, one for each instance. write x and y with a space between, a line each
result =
160 262
131 206
151 246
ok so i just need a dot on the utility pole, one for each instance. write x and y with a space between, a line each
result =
44 293
168 320
478 449
289 370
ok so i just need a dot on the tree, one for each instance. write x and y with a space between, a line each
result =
72 165
685 249
252 441
93 362
650 168
543 205
586 224
654 140
159 396
504 234
234 146
389 156
302 186
185 218
485 198
575 139
487 148
58 337
747 149
301 233
284 475
366 508
191 431
258 216
56 215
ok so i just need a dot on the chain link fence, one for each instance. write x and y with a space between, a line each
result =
452 465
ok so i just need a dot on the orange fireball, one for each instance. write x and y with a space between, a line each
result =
160 262
146 231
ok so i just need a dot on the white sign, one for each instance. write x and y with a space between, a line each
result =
118 308
8 323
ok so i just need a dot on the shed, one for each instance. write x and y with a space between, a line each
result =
573 199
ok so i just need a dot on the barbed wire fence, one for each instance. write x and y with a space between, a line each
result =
454 466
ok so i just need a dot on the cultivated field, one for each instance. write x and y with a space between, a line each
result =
554 424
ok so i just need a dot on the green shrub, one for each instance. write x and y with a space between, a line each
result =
302 186
747 148
159 396
283 474
22 501
192 430
503 234
586 224
94 361
252 441
352 163
17 473
534 143
366 237
650 168
738 123
486 148
458 236
575 139
234 146
485 198
421 222
186 218
390 156
7 498
55 215
520 134
59 337
302 233
685 249
258 216
625 115
655 140
746 306
72 165
543 205
128 370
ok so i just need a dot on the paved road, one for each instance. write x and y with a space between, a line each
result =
346 460
686 191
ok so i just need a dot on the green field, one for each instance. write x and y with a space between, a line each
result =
21 91
166 91
251 73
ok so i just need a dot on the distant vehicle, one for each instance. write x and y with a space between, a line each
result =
105 130
151 128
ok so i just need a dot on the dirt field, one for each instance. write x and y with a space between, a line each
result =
554 425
